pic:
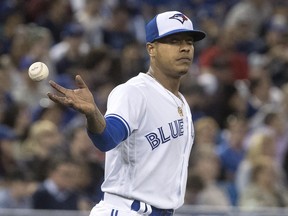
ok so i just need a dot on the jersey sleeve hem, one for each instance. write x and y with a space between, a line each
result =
114 133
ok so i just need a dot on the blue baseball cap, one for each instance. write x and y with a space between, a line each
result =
168 23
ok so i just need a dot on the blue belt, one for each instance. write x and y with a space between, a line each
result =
155 211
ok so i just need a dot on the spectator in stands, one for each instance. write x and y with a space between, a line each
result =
8 26
97 67
18 191
206 165
196 98
274 123
132 59
276 53
68 52
117 33
194 186
231 149
263 97
252 13
226 101
81 149
93 20
58 191
221 67
231 152
259 144
6 99
265 188
8 161
57 15
224 54
207 131
44 141
50 112
102 94
37 43
18 118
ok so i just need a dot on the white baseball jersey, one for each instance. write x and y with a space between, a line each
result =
151 164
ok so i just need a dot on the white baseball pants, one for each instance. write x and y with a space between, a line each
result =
113 205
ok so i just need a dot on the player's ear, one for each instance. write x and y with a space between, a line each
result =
150 49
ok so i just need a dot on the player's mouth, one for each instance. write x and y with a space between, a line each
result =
184 60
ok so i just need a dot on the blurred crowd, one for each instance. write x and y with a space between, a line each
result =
237 89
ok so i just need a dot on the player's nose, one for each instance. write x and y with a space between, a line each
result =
186 46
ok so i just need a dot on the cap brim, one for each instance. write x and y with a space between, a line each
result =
196 34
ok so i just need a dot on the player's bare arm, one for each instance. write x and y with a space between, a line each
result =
81 99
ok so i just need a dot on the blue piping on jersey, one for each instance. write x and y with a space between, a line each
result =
114 133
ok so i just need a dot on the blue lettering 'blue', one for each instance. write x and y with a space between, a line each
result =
162 135
174 131
181 127
153 140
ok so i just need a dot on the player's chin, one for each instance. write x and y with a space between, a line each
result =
183 70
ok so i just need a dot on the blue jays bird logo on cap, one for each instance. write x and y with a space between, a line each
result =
180 17
166 23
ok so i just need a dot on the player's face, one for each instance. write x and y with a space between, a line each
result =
173 54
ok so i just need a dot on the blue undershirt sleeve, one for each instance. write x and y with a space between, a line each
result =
114 133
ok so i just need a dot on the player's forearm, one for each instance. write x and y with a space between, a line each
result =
96 122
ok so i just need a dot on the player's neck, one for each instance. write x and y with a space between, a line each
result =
168 82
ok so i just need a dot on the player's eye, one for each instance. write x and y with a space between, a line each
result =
169 40
175 41
190 42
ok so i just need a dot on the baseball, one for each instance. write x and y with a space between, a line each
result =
38 71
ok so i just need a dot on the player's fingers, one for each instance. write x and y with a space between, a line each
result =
59 88
80 82
54 98
61 100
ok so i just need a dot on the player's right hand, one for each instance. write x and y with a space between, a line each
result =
81 99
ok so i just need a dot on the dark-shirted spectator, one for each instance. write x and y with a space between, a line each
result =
59 191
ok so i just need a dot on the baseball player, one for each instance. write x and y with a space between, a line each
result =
147 131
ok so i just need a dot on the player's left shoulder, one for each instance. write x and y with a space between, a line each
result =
138 80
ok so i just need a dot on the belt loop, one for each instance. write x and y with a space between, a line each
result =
141 208
149 209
